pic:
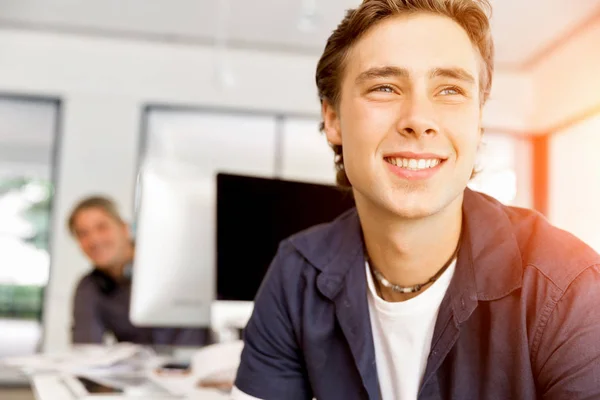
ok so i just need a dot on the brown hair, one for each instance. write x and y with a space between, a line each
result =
472 15
104 203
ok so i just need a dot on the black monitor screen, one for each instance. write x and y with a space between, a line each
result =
254 215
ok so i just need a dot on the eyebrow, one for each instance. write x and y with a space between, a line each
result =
453 73
397 72
382 72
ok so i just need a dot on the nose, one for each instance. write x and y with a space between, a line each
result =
92 239
417 117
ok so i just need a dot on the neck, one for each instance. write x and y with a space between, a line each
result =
115 271
409 251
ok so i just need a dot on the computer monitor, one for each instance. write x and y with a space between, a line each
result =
204 242
254 215
173 268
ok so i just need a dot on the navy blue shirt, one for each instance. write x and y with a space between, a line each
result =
520 320
102 305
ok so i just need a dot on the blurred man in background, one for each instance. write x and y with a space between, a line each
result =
103 295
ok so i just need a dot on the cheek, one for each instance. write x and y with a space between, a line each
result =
86 246
467 146
465 132
111 240
365 125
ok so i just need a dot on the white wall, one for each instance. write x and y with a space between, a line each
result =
511 102
566 83
104 84
575 181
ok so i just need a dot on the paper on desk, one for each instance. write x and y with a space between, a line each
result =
216 363
85 359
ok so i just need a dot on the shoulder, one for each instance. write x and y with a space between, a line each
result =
320 244
555 253
86 286
304 255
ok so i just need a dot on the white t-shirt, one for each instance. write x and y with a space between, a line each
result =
402 334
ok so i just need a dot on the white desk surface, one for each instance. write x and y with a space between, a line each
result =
47 387
205 362
51 387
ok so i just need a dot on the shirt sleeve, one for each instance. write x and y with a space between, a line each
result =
568 358
87 324
272 364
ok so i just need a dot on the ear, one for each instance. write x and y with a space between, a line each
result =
332 123
481 128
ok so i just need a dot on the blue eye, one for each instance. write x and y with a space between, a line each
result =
450 91
385 89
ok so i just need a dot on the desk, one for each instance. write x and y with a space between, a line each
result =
47 387
51 376
16 394
51 387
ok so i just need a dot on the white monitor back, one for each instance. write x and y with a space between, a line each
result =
172 286
185 151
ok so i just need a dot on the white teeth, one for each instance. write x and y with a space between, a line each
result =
414 164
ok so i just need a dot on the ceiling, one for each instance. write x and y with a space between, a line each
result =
522 28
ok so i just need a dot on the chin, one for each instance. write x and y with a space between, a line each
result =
415 204
406 200
102 263
412 212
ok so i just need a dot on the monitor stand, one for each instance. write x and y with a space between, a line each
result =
229 318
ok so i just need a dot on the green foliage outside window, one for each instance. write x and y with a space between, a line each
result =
24 300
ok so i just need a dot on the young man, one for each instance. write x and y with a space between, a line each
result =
427 290
102 296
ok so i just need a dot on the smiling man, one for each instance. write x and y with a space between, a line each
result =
103 296
427 290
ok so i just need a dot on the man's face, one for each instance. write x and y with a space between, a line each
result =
409 115
102 238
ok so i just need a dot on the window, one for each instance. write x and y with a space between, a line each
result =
27 137
503 169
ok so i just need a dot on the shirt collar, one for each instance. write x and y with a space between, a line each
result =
488 265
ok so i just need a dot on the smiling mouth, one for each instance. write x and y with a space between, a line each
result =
413 164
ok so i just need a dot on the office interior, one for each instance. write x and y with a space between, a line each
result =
92 93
